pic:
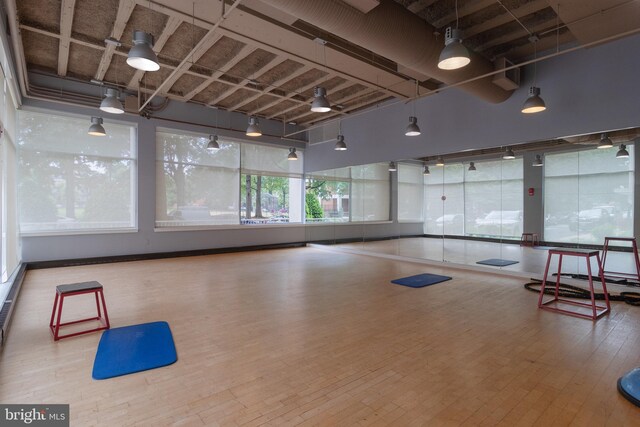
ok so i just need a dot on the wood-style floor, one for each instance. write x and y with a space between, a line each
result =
309 337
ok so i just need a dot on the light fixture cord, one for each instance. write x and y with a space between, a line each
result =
558 28
535 63
457 18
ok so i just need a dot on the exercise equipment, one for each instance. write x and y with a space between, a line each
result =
497 262
421 280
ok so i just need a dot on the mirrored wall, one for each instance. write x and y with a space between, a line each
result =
477 207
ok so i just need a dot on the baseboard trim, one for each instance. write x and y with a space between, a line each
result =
36 265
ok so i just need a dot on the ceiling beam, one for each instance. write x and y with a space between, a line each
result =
338 88
239 56
205 43
504 18
357 106
66 23
465 9
273 49
125 8
514 35
420 5
172 25
230 91
276 84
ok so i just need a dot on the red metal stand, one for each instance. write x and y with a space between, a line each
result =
529 239
619 274
587 254
63 291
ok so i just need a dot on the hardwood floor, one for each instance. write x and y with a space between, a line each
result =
308 337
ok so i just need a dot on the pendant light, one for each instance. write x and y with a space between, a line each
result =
213 143
320 102
425 170
508 154
111 103
141 56
254 127
534 103
538 161
605 141
392 167
454 55
622 152
412 128
292 154
96 128
439 161
472 166
340 144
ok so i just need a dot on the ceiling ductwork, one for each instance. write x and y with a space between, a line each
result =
395 33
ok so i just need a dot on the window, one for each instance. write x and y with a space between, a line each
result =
356 193
444 199
271 185
239 183
410 193
196 186
370 192
493 199
327 196
588 195
71 181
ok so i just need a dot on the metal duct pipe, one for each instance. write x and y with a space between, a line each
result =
397 34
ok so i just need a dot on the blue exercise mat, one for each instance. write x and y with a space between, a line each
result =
421 280
497 262
134 348
629 386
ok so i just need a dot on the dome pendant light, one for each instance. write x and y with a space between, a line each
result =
472 166
96 128
292 154
141 55
534 103
392 167
439 161
412 127
111 103
622 152
425 170
454 55
254 127
320 102
538 161
213 143
605 141
508 154
340 144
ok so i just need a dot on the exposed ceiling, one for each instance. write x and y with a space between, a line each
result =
263 61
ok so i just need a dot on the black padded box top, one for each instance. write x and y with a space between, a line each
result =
76 287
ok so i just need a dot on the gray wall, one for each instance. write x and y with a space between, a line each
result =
586 91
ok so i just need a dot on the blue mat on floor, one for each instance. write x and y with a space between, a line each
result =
134 348
497 262
421 280
544 248
629 386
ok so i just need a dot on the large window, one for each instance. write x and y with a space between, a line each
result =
356 193
410 193
71 181
588 195
486 202
194 185
327 197
271 185
493 199
444 200
239 183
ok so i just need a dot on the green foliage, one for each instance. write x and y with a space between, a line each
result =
312 206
